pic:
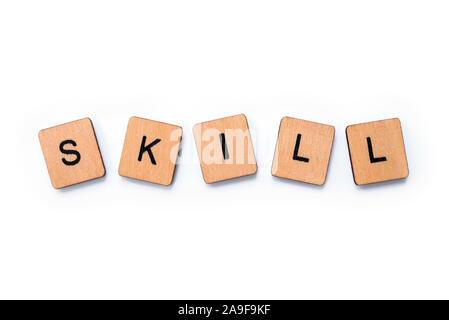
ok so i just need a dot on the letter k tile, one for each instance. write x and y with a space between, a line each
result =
150 151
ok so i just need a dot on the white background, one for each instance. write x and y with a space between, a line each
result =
184 62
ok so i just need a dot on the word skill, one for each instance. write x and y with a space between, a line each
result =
225 150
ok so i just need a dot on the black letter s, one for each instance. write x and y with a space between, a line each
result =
74 152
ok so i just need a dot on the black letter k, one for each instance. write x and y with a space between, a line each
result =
147 148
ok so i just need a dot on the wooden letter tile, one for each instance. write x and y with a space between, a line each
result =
377 151
225 149
303 151
71 153
150 151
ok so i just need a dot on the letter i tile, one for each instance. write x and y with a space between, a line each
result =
71 153
150 151
225 149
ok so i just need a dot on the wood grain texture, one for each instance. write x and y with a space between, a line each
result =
303 151
90 165
165 152
388 159
240 160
